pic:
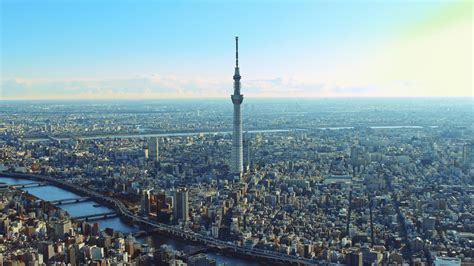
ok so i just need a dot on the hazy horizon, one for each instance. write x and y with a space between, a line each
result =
257 98
178 50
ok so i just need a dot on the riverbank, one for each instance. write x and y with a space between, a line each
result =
154 239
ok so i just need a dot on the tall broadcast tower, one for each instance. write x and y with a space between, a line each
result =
236 166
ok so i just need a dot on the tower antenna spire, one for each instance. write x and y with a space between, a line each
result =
236 51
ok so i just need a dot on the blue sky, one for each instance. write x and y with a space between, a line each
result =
161 49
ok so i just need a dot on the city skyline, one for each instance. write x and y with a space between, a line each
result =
154 50
119 145
359 182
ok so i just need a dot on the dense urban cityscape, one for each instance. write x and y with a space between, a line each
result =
368 181
348 139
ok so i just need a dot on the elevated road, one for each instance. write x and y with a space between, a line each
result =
120 208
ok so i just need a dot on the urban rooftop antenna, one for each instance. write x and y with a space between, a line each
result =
236 51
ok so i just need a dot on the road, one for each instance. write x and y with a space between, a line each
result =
119 207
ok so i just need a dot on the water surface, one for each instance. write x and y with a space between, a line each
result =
50 193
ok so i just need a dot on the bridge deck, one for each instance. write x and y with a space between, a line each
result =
33 184
96 215
125 212
69 200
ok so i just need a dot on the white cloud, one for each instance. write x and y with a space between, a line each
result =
157 86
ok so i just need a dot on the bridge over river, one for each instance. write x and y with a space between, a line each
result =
120 208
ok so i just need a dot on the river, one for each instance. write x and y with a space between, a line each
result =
149 135
49 193
185 134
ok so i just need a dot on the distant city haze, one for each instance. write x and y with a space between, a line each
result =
167 49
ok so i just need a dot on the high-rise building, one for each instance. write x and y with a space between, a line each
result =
145 153
468 155
47 249
61 227
354 258
181 205
153 149
236 166
72 254
358 158
146 202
